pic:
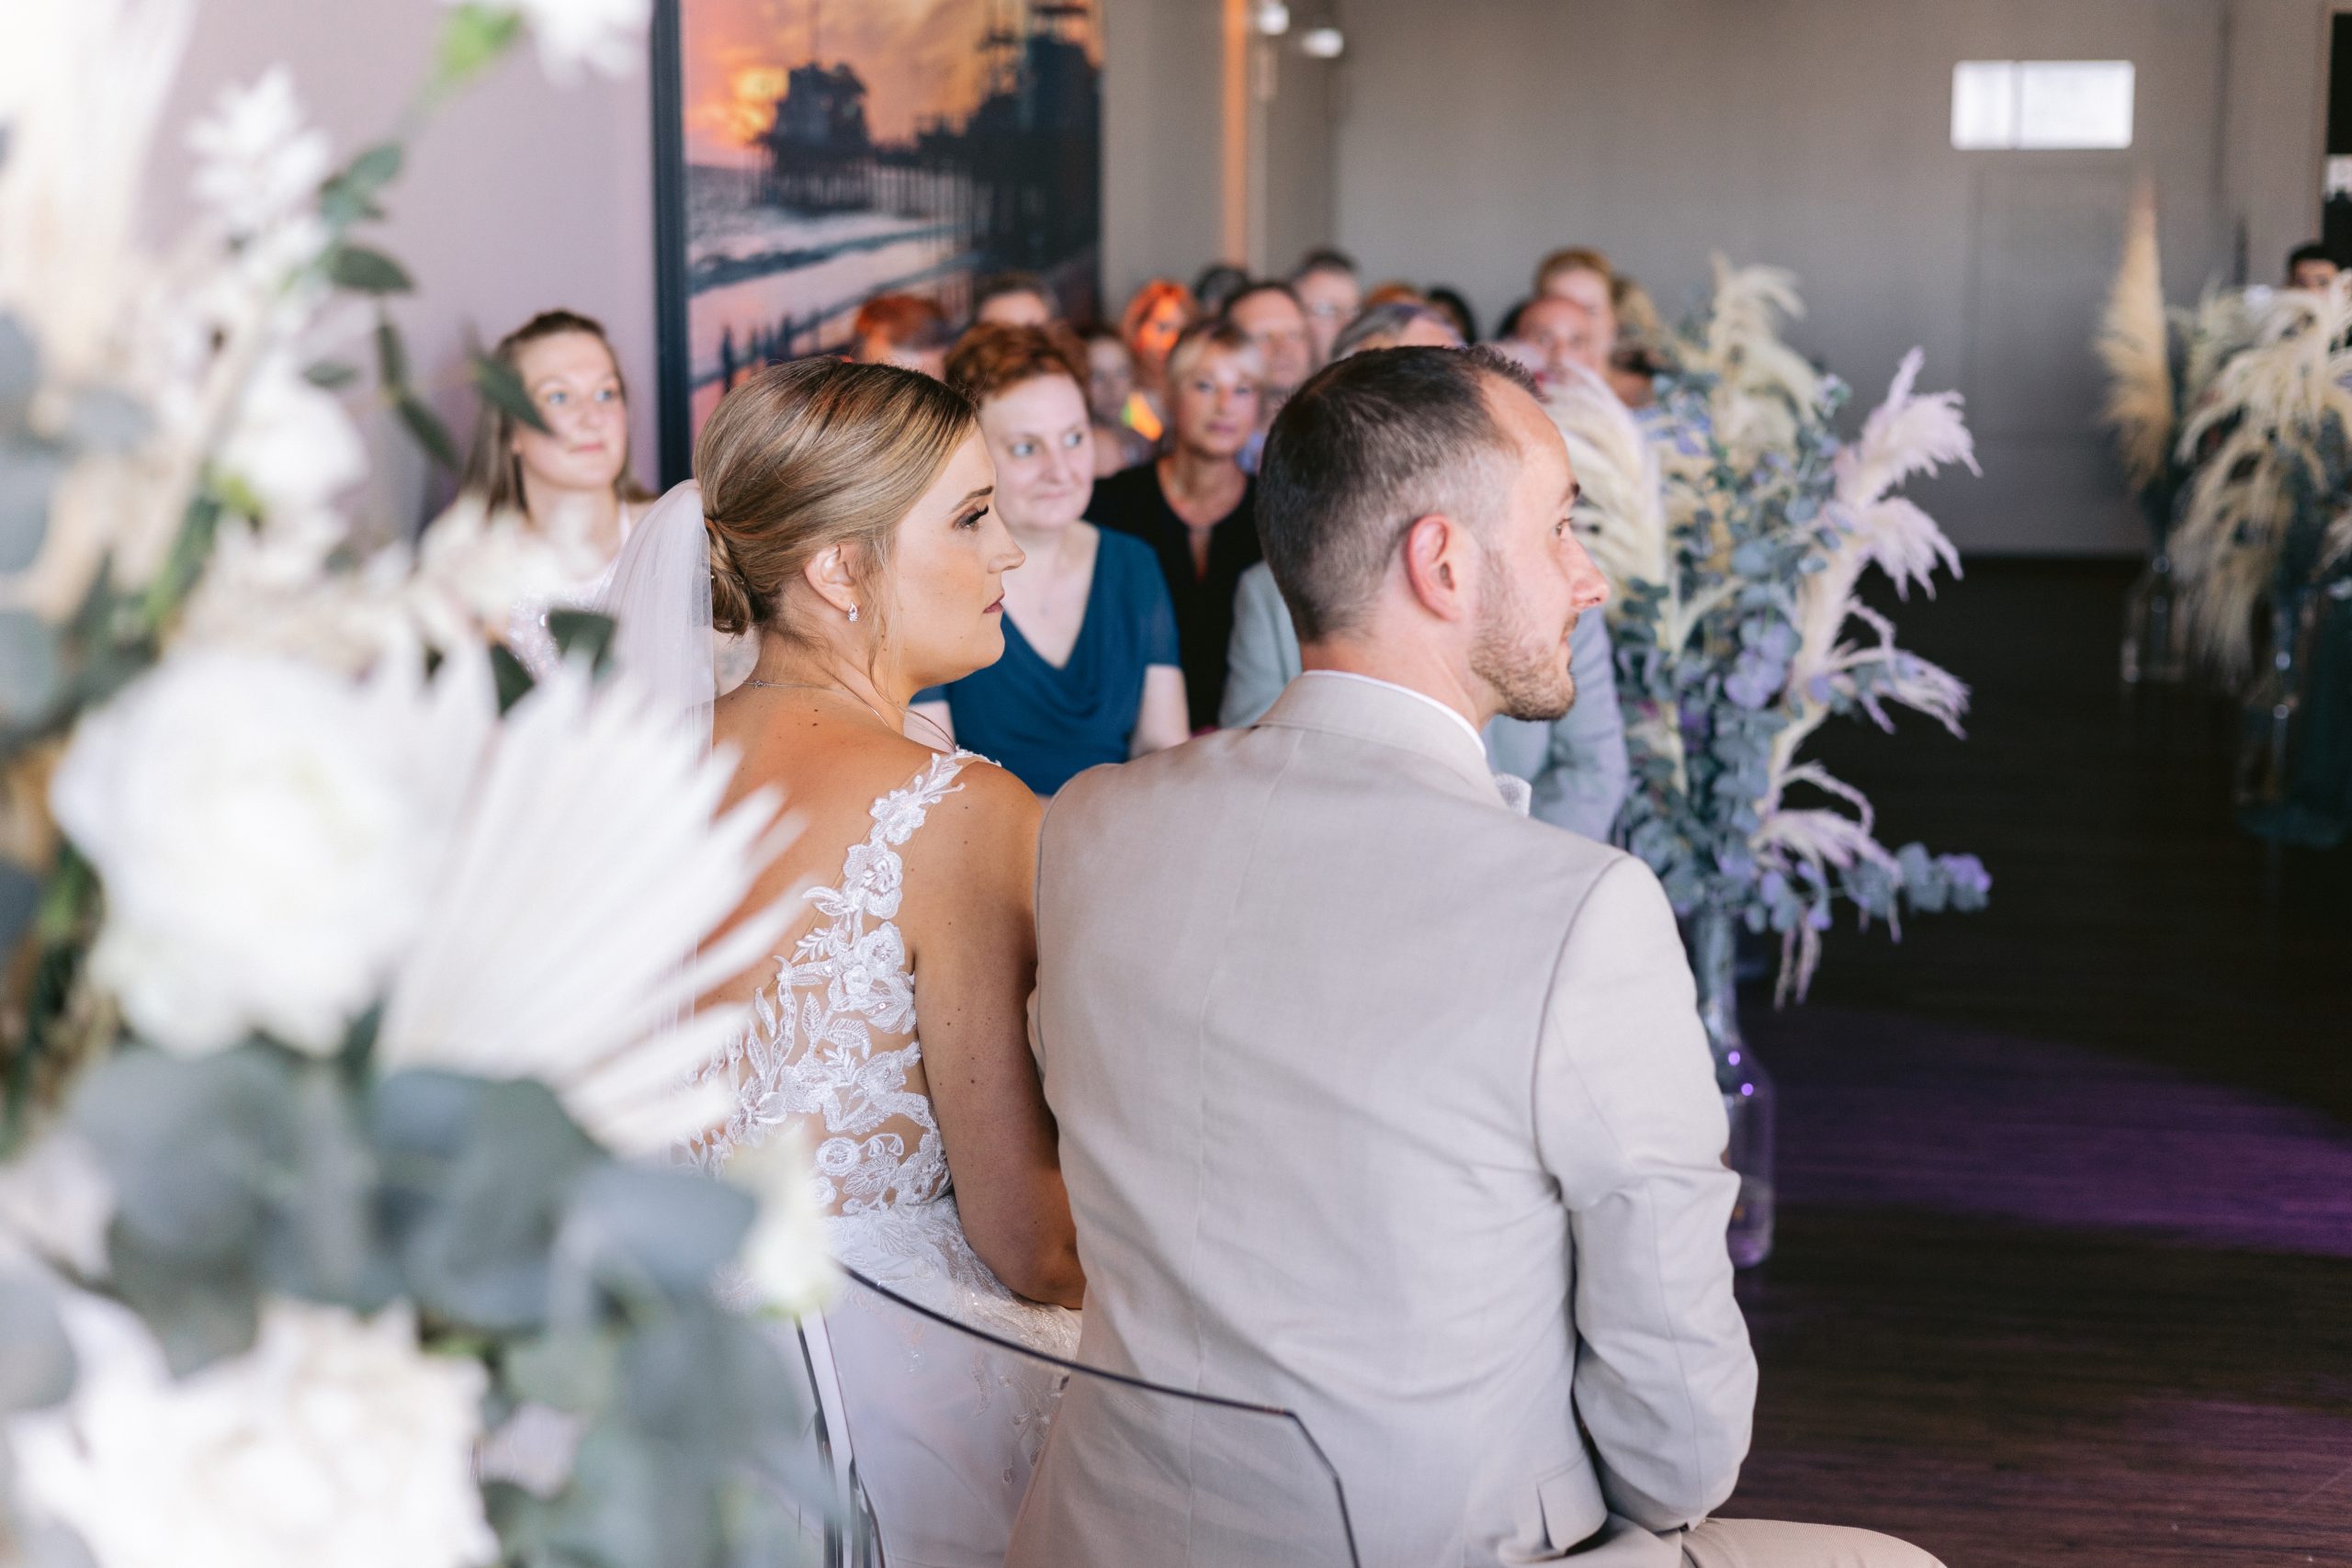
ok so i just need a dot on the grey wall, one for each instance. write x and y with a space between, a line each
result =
1814 134
1163 73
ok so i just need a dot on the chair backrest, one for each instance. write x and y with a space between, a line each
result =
1238 1484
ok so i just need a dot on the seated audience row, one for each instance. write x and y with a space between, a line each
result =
1141 613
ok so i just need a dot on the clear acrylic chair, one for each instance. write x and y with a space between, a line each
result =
1251 1486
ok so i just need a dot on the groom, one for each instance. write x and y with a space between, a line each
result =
1377 1101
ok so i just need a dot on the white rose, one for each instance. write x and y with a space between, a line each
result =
292 446
784 1260
264 853
334 1443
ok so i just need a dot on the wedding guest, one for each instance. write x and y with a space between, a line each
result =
1577 273
1558 332
1110 382
1455 307
1575 766
1396 291
1584 278
1218 284
572 480
1193 505
1269 314
1090 672
2310 267
1395 325
905 330
1331 293
1015 300
1151 323
1508 328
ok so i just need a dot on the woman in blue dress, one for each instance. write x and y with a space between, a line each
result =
1090 671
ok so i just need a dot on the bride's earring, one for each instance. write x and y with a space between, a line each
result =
852 612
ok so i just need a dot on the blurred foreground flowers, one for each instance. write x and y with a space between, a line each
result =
352 1009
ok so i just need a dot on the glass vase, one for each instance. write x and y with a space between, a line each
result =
2272 702
1746 1087
2152 638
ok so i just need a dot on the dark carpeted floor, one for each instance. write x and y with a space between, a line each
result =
2064 1272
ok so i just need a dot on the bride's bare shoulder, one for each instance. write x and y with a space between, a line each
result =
986 825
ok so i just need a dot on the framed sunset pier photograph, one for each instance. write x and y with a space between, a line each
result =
811 155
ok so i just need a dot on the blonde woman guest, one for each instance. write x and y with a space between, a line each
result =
1153 321
1193 504
1090 672
843 521
570 480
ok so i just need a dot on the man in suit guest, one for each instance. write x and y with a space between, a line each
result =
1378 1101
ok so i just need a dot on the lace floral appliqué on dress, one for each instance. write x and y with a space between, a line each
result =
833 1044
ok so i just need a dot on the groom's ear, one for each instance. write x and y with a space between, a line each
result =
1437 564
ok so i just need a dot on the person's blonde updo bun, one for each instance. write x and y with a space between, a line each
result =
810 454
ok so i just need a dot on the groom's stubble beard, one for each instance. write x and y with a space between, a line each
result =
1521 662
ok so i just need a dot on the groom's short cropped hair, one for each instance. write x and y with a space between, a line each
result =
1370 444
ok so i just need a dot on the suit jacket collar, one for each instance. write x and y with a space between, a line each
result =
1374 712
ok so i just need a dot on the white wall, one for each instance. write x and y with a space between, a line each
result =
1814 134
2274 130
518 196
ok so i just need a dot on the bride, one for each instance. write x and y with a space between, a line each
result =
843 521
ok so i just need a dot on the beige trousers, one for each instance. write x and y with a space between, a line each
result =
1747 1543
1768 1543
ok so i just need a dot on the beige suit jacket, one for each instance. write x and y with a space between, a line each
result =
1382 1103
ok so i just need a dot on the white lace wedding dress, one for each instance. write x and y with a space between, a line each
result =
944 1435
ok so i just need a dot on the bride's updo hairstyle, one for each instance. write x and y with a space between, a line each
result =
810 454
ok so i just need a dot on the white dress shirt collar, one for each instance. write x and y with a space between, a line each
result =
1467 728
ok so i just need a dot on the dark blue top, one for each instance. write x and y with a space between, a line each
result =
1046 726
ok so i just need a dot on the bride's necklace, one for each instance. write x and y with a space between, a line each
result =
898 728
817 686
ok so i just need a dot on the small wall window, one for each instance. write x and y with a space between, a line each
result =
2040 103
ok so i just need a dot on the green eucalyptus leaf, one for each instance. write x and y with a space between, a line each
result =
583 634
496 381
327 1241
476 1220
392 354
633 1503
20 367
430 433
198 1314
20 898
573 1369
635 1232
514 680
374 168
195 1148
331 375
711 1384
36 1367
31 669
366 271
